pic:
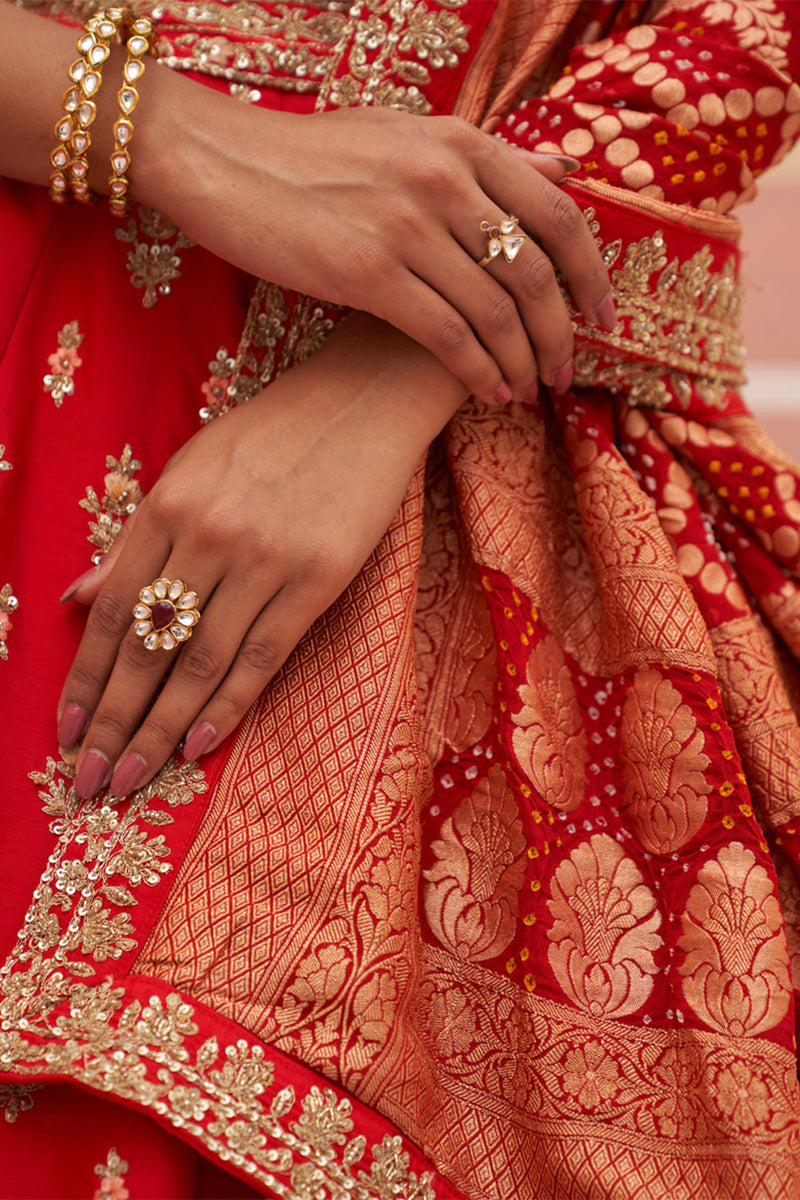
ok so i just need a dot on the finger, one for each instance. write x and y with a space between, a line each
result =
530 282
85 588
489 309
429 319
270 641
225 635
110 619
555 220
138 671
553 166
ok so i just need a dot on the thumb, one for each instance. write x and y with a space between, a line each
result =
85 588
553 166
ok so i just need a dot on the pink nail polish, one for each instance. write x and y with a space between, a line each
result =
76 583
606 315
198 741
503 394
531 394
91 773
129 775
71 725
563 378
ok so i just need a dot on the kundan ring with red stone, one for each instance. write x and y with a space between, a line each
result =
166 614
506 239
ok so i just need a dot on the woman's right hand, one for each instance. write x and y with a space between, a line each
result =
381 210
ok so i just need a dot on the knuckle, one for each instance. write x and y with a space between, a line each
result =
538 276
133 656
109 615
458 134
159 735
263 655
451 337
199 664
502 316
110 725
566 217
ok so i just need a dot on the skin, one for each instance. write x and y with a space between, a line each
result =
237 510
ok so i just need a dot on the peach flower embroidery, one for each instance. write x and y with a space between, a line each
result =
112 1178
64 363
8 604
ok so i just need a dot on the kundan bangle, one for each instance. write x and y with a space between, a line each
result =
138 45
69 179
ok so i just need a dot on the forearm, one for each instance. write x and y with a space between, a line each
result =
35 55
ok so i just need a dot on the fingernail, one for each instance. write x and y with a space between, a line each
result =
567 162
71 725
93 770
606 315
531 394
129 775
76 583
198 741
563 378
503 394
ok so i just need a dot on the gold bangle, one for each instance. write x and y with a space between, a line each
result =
69 180
139 44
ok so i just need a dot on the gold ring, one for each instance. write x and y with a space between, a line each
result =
166 614
506 238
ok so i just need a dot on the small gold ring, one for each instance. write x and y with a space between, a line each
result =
165 614
506 239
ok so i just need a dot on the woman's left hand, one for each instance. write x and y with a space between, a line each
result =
267 514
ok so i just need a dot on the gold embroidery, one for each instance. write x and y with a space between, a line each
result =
758 708
471 898
153 265
8 604
4 464
16 1098
382 33
659 1100
663 764
549 740
150 1054
122 495
604 929
684 315
64 362
758 27
736 969
112 1178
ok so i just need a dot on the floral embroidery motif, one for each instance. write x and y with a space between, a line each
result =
64 362
4 464
216 388
549 741
758 27
112 1178
8 604
685 313
663 764
153 265
471 900
16 1098
736 970
122 495
604 930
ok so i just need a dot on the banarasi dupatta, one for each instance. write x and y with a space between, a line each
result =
494 893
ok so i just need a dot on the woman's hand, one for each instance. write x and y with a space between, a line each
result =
367 207
268 513
382 211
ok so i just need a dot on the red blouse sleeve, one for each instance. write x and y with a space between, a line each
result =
672 121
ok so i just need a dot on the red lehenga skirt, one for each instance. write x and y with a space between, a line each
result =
493 893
